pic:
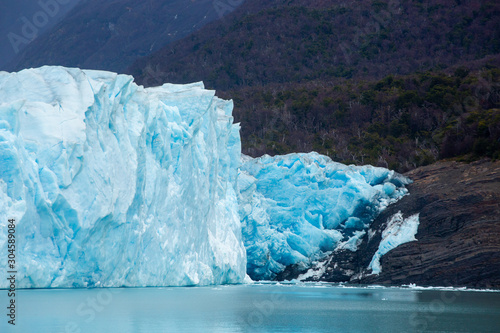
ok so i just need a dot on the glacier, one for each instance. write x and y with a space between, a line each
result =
112 184
297 208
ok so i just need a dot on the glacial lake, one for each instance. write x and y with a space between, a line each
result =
254 308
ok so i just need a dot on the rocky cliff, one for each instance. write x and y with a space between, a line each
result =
458 239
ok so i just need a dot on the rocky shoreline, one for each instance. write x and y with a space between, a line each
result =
458 239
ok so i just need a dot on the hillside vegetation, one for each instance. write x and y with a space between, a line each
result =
392 83
400 122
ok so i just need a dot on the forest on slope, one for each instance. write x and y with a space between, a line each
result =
400 122
393 83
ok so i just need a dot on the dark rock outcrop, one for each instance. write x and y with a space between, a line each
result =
458 236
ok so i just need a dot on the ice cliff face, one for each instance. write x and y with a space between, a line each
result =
298 207
112 184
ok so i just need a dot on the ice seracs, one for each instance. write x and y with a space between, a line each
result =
112 184
298 207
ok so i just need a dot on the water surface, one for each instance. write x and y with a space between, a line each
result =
255 308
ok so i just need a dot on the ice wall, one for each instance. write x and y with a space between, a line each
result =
298 207
112 184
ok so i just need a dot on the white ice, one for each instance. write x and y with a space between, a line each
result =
398 231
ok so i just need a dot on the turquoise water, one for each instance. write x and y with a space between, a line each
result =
254 308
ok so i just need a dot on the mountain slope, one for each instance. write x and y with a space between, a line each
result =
297 42
110 35
397 84
22 21
400 122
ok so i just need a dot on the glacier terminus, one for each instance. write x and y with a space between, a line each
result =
297 208
116 185
112 184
